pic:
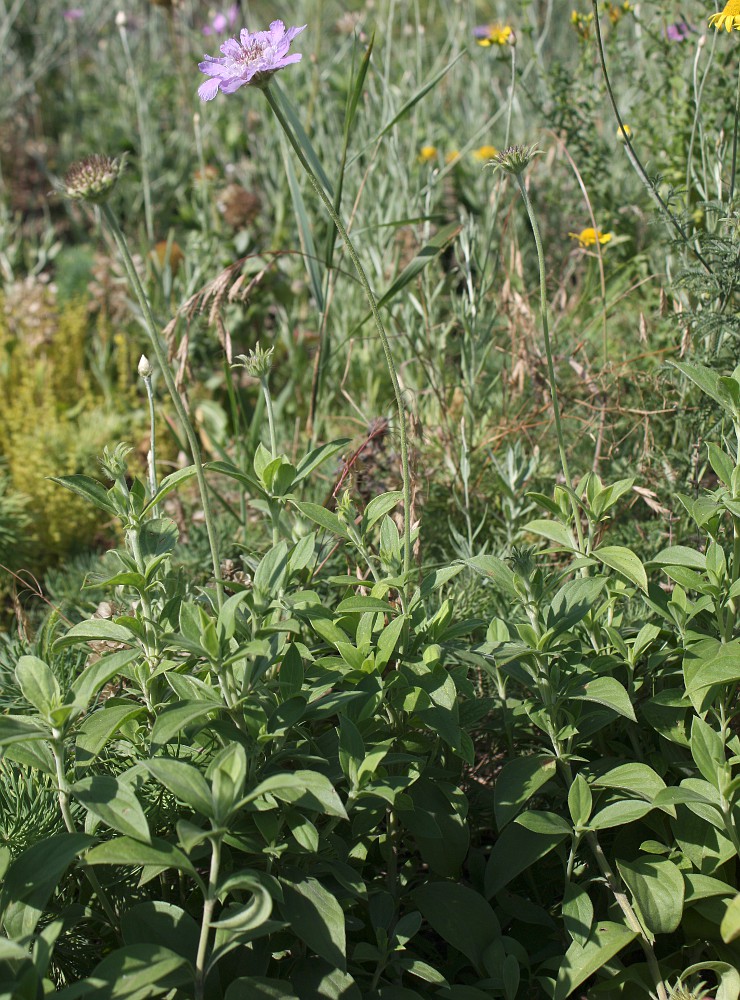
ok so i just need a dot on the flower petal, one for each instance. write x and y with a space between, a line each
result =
208 90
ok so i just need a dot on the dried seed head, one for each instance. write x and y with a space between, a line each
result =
93 178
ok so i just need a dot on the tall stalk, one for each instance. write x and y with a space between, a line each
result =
161 355
548 355
354 257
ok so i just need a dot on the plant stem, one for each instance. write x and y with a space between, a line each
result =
57 749
354 257
143 135
205 925
152 456
548 355
632 155
270 416
164 365
734 142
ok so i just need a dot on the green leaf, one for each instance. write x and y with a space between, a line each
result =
316 918
607 939
184 781
447 807
317 457
278 95
639 779
681 555
497 571
378 507
573 602
323 517
99 727
305 226
114 802
14 728
259 988
165 923
95 676
706 378
606 691
461 917
244 917
168 484
553 531
624 561
657 886
38 684
34 874
708 751
96 630
89 489
176 718
359 605
730 926
579 801
127 851
578 913
728 976
134 971
620 813
516 849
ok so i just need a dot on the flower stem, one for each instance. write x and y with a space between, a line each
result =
152 456
734 141
205 925
548 355
354 257
632 155
164 365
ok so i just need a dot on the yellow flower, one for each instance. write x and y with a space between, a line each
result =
427 153
628 131
485 153
588 237
729 18
494 34
453 156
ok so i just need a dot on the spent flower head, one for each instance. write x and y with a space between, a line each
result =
728 18
251 59
257 363
93 178
515 159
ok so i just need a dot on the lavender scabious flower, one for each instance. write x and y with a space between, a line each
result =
252 59
73 14
222 22
677 32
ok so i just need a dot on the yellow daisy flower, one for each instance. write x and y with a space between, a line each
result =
427 153
729 18
588 237
483 153
494 34
452 156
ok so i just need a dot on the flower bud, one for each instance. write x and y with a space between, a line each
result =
145 369
257 363
93 178
515 159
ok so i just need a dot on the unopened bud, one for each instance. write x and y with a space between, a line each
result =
121 19
145 369
515 159
93 178
257 363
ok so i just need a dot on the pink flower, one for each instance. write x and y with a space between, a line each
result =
252 59
73 14
222 22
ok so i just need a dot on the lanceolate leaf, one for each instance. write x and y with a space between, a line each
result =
607 940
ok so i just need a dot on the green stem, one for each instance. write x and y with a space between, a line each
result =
205 924
142 123
164 365
318 188
548 355
734 142
57 749
152 456
632 155
270 417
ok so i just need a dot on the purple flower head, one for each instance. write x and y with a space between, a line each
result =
222 22
677 32
252 59
73 14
